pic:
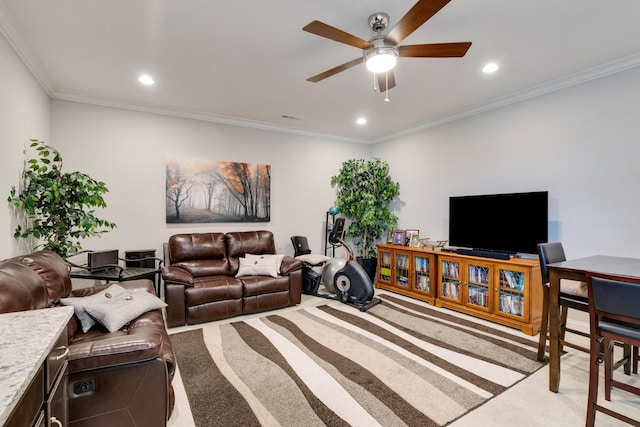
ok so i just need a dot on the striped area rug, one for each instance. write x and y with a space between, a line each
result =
400 363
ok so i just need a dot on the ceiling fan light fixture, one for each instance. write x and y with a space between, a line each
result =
381 59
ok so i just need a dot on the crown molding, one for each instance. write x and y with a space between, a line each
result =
599 71
23 51
213 118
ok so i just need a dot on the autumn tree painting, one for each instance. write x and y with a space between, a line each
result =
217 191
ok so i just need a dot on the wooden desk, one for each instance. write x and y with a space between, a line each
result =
577 269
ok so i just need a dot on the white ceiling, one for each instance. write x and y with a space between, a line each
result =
246 61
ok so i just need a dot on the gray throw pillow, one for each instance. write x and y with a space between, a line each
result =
116 312
79 304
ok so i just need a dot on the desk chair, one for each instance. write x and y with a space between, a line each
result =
312 265
571 296
614 316
300 245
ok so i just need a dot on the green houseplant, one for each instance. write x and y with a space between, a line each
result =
364 191
57 208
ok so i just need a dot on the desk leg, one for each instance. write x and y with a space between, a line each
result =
554 331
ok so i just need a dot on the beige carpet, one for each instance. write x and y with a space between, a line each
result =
401 363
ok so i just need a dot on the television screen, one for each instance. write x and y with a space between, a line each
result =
513 223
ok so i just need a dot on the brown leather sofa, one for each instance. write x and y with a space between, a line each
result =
200 277
127 373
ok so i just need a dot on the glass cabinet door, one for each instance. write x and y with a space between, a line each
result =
402 269
511 294
450 279
384 266
478 293
422 278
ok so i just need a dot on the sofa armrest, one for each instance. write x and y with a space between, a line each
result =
176 309
114 351
289 265
177 275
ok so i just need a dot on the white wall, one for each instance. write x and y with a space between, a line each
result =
127 150
582 144
24 114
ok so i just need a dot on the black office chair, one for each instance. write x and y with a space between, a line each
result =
312 265
614 316
300 245
571 296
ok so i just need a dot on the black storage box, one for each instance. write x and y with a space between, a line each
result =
132 257
310 281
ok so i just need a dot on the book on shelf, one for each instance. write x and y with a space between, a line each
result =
422 264
478 274
385 272
450 289
512 279
422 282
478 296
451 269
511 304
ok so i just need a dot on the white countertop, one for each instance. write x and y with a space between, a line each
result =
26 338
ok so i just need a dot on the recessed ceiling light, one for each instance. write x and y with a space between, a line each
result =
491 67
361 121
146 79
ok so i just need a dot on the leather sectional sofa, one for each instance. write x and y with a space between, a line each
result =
129 371
201 282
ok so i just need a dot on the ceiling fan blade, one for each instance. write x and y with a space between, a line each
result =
434 50
335 70
420 13
323 30
382 81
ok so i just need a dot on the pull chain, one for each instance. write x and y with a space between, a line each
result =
386 88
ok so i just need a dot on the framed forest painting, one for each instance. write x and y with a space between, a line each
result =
199 191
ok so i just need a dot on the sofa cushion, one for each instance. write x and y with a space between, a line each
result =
214 288
258 285
205 267
250 242
196 246
113 313
79 304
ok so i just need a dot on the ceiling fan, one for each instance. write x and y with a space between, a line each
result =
380 53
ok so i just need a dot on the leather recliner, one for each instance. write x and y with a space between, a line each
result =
200 277
130 370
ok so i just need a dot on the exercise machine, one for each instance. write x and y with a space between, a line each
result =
345 277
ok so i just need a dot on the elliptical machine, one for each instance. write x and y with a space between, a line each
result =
348 279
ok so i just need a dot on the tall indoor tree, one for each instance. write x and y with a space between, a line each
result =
364 191
57 208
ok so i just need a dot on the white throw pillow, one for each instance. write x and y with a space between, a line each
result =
259 265
313 259
118 311
79 304
277 259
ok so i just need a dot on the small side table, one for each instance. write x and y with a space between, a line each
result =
120 275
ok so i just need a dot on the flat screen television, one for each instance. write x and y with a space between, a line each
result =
511 223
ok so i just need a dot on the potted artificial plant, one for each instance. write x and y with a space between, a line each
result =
57 208
364 191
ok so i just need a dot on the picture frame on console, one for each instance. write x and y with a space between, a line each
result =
414 240
408 234
390 235
398 237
